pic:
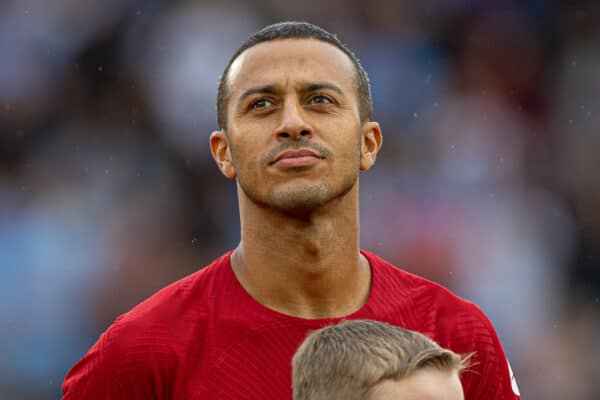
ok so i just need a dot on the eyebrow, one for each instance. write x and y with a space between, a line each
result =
314 87
268 89
305 87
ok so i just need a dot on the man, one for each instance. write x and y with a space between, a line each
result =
294 108
369 360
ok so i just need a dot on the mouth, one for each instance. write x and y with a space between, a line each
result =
296 158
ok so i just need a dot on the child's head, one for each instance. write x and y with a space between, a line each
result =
369 360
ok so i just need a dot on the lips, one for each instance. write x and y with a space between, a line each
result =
296 158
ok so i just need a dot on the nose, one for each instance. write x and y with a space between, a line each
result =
293 124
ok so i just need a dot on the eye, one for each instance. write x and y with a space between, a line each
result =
260 103
320 99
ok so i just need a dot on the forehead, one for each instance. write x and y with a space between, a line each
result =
425 384
288 61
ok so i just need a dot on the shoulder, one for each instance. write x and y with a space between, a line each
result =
450 320
436 310
419 291
162 313
175 300
145 344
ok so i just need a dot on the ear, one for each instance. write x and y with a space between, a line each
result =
371 140
219 147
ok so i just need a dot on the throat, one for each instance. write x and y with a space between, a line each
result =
309 288
334 291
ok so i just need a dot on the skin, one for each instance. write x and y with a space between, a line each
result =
424 384
299 251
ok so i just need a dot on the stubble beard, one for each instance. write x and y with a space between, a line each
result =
304 201
301 202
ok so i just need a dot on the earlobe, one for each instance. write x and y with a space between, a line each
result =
219 148
371 141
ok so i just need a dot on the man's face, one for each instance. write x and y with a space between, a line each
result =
294 133
424 384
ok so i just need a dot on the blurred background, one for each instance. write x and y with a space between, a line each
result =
487 181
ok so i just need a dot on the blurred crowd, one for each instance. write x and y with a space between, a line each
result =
490 113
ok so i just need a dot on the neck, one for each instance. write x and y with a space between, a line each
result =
309 267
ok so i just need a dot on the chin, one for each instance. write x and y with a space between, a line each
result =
302 201
299 199
305 201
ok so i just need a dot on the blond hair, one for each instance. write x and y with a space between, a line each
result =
347 360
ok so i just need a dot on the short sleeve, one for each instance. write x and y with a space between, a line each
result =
490 376
125 363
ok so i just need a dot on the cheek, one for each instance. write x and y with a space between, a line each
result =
349 149
246 157
248 143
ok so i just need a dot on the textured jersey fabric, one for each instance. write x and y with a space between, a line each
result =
204 337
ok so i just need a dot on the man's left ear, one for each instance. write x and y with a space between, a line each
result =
371 140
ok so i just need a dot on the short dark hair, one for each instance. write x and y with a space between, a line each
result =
297 30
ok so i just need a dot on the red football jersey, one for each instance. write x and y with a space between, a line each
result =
204 337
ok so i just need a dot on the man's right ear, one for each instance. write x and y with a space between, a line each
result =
219 147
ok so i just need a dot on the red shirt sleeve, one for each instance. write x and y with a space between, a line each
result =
91 377
490 376
122 365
